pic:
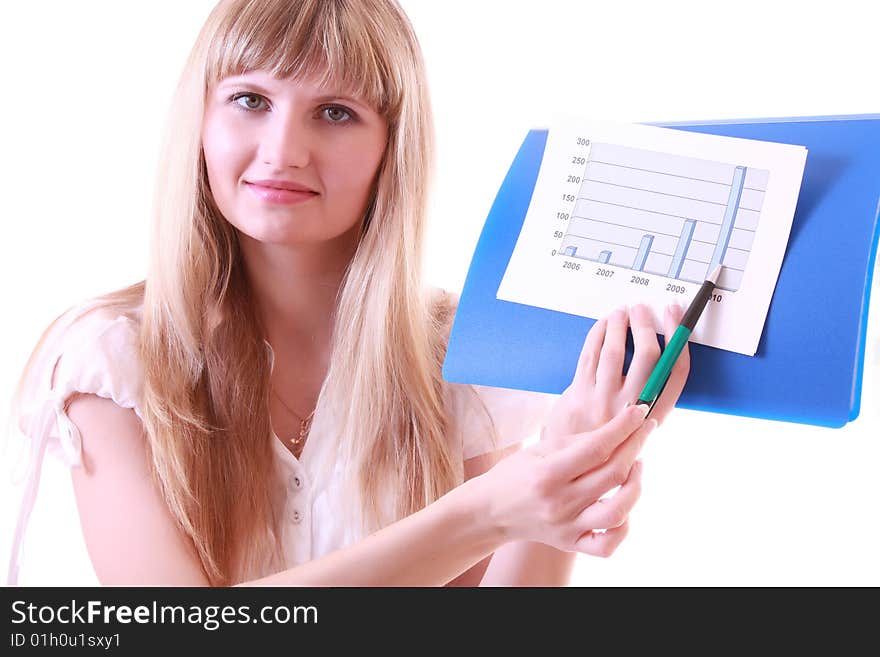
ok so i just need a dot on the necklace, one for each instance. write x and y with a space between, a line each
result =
304 423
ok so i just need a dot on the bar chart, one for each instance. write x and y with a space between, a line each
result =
665 214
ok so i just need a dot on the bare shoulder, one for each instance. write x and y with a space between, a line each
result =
131 535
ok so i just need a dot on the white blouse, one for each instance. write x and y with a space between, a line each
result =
100 357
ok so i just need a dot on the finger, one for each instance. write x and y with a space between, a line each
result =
586 451
679 373
585 375
602 544
647 348
592 485
613 511
609 372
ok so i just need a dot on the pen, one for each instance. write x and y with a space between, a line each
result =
660 374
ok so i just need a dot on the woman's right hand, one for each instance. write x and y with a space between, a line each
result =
550 492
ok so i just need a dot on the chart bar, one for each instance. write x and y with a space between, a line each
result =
644 250
681 249
736 188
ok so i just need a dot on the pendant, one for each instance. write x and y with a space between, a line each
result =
302 434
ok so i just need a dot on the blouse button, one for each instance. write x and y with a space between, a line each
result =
297 482
297 516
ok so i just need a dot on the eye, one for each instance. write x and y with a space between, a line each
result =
236 97
334 112
337 114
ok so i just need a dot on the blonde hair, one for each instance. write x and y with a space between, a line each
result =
206 370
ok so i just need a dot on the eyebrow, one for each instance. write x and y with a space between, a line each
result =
236 82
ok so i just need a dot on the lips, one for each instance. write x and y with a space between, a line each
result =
280 196
287 185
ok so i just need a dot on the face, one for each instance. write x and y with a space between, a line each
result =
257 128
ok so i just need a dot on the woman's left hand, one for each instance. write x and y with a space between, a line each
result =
600 390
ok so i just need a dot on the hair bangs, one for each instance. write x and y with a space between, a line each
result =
332 43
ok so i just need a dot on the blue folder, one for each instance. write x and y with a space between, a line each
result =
809 362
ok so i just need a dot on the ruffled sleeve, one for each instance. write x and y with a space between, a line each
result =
89 350
514 415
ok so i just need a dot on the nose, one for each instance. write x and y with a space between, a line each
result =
286 142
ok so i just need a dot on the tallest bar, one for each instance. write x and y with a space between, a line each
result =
736 188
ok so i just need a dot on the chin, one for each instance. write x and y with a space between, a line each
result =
270 232
291 229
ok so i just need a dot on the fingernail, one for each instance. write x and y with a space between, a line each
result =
643 409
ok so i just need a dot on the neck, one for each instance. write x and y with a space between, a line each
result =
295 289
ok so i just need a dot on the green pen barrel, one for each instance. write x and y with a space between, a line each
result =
664 366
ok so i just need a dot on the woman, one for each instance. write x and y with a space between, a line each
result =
267 406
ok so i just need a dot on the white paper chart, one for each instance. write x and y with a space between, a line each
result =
625 214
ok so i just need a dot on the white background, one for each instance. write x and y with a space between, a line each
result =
726 501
